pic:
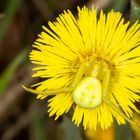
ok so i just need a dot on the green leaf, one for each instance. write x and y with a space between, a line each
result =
10 11
123 132
135 10
39 125
69 131
5 77
117 5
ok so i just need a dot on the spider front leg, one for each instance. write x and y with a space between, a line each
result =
76 80
48 92
106 82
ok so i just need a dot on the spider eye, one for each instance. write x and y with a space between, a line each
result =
88 93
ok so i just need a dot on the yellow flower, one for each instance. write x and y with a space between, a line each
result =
91 65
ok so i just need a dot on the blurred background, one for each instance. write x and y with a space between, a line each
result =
22 117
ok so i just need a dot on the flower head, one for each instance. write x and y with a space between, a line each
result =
90 63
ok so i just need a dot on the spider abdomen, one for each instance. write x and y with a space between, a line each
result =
88 93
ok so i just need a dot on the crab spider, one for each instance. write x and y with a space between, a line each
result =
90 88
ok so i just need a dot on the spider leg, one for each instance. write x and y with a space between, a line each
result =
137 125
48 92
76 80
105 87
106 81
78 75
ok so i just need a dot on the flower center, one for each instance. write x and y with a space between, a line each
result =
93 87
